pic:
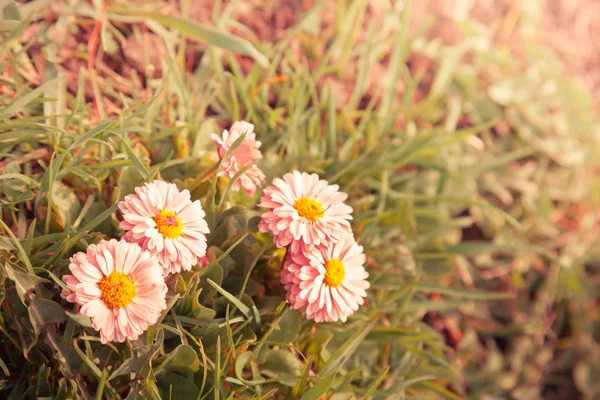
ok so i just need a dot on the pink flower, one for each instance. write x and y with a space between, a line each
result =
119 286
326 283
304 211
165 221
245 155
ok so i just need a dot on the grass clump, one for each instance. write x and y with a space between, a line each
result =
470 173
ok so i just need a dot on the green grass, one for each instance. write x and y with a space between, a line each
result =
477 208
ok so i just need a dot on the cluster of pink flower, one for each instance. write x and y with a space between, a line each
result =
120 285
323 273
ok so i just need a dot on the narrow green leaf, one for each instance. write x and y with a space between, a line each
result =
319 389
4 368
24 282
31 182
90 363
375 384
23 101
80 319
431 357
346 350
137 163
464 293
241 306
202 33
210 208
20 249
55 164
230 184
135 364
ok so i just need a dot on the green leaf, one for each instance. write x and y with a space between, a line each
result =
43 388
286 329
55 164
385 334
441 390
80 319
316 347
174 386
66 389
41 312
253 224
11 12
24 282
241 306
22 101
373 387
87 360
20 249
464 293
24 178
5 244
65 353
210 205
66 202
96 209
346 350
214 339
4 368
135 364
233 179
203 33
215 273
319 389
431 357
281 364
135 160
190 306
183 360
434 305
242 361
129 179
301 384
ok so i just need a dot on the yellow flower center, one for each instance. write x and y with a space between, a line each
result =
334 272
168 224
309 208
117 290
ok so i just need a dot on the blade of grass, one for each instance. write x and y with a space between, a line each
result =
202 33
342 354
241 306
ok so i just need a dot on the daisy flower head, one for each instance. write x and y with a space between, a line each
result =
119 286
326 283
305 211
165 221
245 155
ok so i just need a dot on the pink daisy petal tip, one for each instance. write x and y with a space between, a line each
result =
305 211
326 283
244 156
119 286
165 221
